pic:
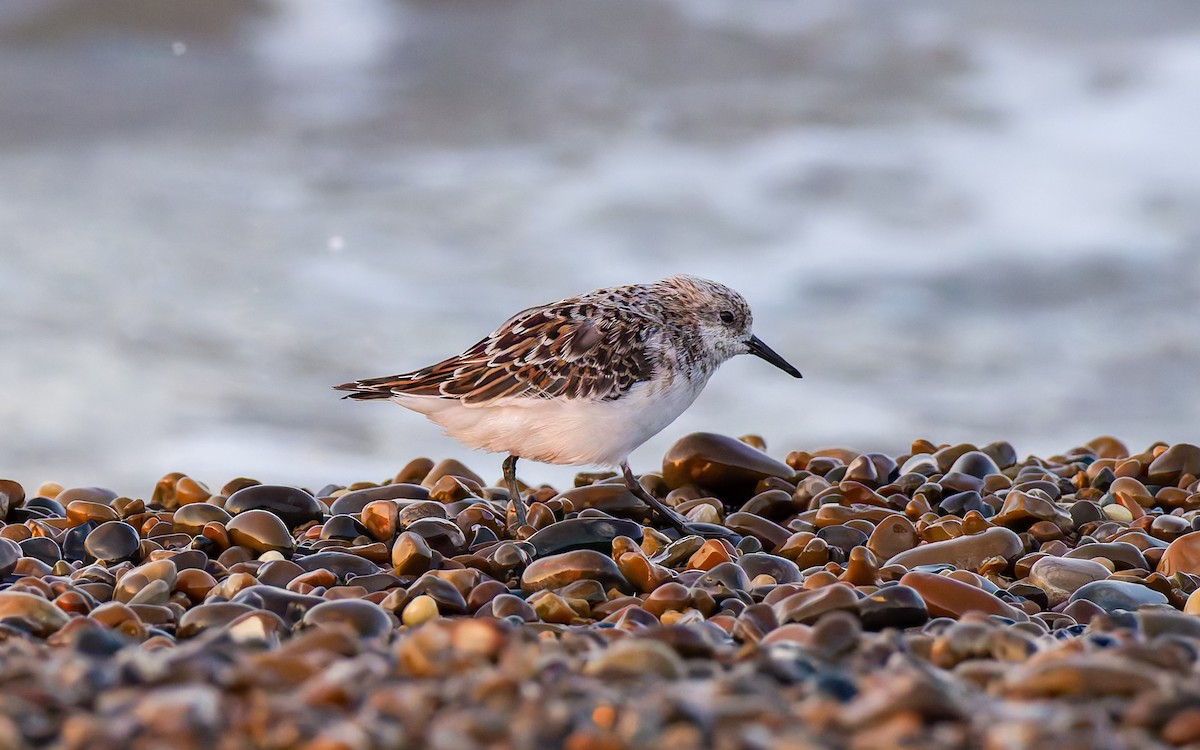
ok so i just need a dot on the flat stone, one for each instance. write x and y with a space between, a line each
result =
36 614
1060 577
1174 462
721 464
1114 595
1182 556
947 597
292 505
559 570
965 552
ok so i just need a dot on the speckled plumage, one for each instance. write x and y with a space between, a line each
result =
584 380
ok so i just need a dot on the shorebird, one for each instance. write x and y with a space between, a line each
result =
585 380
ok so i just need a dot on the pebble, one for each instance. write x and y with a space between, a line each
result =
948 597
292 505
1111 595
559 570
952 596
260 531
720 464
1182 556
966 552
112 542
1060 577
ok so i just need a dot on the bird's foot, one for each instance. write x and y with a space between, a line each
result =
672 518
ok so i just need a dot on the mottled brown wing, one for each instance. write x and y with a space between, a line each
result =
581 350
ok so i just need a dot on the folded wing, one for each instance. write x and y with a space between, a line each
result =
577 351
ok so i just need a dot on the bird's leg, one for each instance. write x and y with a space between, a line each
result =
667 514
514 494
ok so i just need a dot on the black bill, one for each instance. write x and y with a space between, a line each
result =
759 349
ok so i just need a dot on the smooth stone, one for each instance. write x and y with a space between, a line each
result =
73 542
774 505
366 619
892 607
39 616
190 518
452 468
38 547
961 503
210 615
719 463
559 570
1080 677
289 605
1154 622
1174 462
808 606
12 494
965 552
194 583
80 511
411 555
411 511
1060 577
844 538
143 575
920 463
892 536
420 610
1114 595
582 533
292 505
449 598
614 499
1022 509
1192 605
112 542
344 527
341 564
354 501
10 552
636 657
1182 556
769 533
381 519
100 495
723 580
53 508
507 605
947 597
441 535
1002 452
1123 554
260 531
781 569
974 463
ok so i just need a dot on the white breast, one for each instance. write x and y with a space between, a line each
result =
563 431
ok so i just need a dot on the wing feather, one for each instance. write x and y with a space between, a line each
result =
574 349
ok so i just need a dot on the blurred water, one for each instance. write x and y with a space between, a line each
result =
961 220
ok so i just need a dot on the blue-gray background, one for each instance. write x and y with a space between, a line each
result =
961 220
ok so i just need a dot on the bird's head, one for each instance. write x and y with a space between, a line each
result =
721 317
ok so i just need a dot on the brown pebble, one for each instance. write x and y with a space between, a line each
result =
966 552
946 597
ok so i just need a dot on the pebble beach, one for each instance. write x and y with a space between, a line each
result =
956 596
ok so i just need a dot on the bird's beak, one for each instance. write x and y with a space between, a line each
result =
759 349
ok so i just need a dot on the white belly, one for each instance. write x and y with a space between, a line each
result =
562 431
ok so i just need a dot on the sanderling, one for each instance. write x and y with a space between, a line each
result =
585 380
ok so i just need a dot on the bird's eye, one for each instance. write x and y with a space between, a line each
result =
727 317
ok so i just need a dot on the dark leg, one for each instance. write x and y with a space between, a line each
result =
672 518
510 478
